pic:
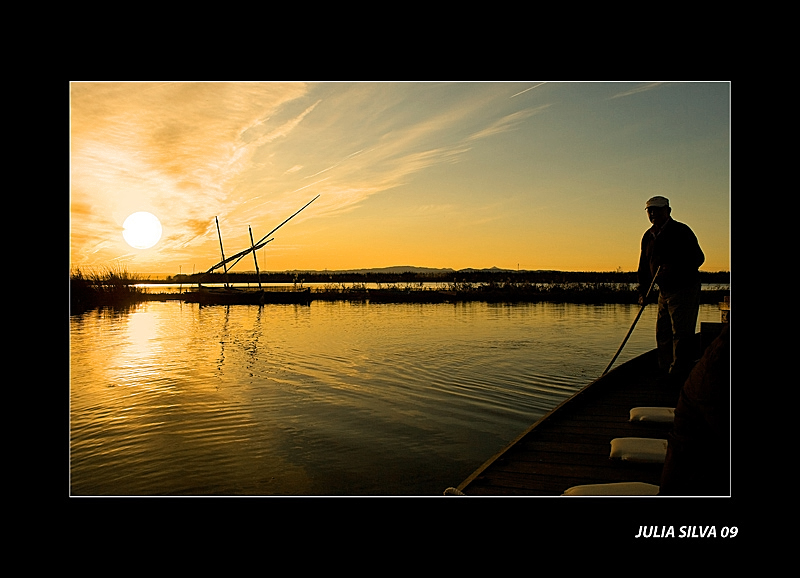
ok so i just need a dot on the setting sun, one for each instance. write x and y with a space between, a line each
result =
141 230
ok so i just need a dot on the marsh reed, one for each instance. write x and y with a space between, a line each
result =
110 286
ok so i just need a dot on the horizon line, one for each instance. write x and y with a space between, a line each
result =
403 269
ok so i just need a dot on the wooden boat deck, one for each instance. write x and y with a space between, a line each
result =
570 446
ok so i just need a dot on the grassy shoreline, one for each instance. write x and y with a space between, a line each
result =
464 276
566 293
116 288
107 287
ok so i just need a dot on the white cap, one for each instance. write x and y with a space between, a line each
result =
657 202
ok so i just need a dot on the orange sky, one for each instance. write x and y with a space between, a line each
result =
535 175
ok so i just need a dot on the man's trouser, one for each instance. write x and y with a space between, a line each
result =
675 331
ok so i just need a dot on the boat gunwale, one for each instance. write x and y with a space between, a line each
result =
612 376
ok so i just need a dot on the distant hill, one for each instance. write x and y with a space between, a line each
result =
399 269
394 270
489 270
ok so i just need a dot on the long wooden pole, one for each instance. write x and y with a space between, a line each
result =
273 230
644 304
222 251
239 256
255 260
290 218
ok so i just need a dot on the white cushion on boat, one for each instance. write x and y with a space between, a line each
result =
646 450
657 414
615 489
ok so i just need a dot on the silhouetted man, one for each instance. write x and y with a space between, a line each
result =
671 248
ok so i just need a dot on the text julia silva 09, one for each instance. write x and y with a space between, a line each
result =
687 532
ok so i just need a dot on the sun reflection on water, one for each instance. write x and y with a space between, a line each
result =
332 398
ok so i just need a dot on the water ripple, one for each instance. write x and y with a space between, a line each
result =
332 398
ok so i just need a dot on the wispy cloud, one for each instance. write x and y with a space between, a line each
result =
192 151
253 153
638 89
171 148
507 123
527 89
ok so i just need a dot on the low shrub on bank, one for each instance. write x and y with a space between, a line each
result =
108 287
116 288
509 292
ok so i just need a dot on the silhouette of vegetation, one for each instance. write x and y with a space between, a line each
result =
116 287
498 292
109 287
464 276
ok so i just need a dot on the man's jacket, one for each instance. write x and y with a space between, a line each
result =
676 250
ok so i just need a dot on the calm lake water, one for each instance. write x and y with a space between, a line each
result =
332 398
